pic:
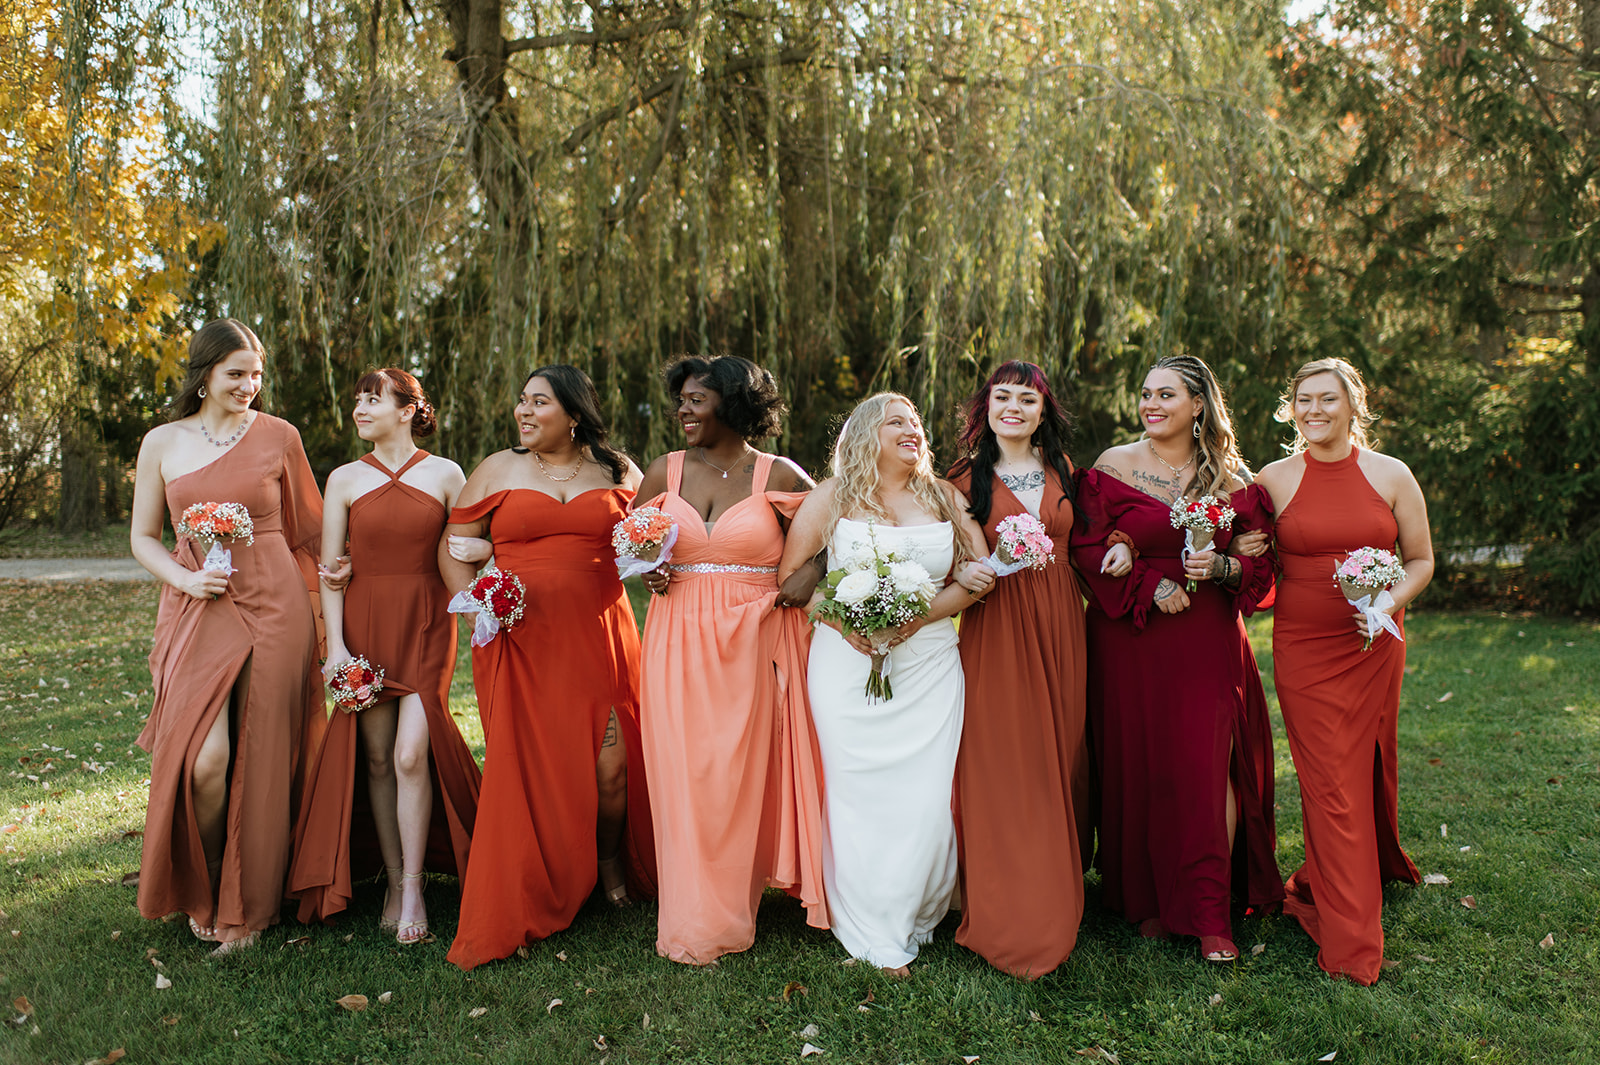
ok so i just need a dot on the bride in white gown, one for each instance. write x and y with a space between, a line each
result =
889 855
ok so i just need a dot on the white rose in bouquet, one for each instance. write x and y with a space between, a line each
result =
856 587
911 579
857 555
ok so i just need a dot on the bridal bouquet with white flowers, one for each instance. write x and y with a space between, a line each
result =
870 592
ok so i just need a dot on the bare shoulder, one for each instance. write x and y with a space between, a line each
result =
953 494
1275 472
787 476
1244 476
1117 461
631 477
823 493
161 437
658 465
1386 471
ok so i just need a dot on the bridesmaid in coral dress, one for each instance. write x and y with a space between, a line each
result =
735 778
1178 718
564 801
237 698
1340 703
420 795
1022 778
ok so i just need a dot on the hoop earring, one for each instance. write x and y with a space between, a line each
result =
202 391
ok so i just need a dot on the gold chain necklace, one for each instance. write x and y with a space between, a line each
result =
559 480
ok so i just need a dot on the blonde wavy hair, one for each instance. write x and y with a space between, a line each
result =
1220 460
1355 390
855 467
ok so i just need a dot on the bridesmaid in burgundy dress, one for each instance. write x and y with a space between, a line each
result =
417 803
1178 719
1340 703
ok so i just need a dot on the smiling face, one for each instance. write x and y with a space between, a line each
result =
1165 406
1015 411
1322 410
543 424
234 381
900 439
377 416
697 413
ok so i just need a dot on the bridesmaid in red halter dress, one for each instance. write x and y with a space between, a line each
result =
420 795
564 801
237 698
732 757
1340 703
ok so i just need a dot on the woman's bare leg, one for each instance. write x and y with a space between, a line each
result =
378 725
414 809
611 779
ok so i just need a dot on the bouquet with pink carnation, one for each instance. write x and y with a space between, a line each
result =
1020 543
355 684
1365 577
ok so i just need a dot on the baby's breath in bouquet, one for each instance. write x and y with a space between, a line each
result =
872 591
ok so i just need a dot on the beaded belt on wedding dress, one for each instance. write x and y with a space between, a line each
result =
718 567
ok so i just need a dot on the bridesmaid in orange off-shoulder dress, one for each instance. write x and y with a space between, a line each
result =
237 698
1340 703
420 795
728 743
564 801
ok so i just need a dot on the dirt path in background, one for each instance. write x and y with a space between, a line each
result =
72 569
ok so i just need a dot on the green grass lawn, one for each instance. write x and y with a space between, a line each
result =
1499 792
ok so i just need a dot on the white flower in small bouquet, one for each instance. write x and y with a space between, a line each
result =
1200 519
1365 577
497 597
873 591
1020 543
643 541
355 684
214 523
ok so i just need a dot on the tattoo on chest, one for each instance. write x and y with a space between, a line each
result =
1023 482
1165 488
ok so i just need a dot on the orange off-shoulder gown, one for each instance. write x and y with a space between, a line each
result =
546 688
266 618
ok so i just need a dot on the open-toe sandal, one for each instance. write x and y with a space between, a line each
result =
202 933
410 933
614 882
235 946
1217 950
389 924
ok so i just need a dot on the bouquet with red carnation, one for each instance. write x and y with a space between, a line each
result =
355 684
1200 519
643 541
215 522
497 597
1365 576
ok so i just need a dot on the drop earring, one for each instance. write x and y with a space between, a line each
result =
202 391
1197 429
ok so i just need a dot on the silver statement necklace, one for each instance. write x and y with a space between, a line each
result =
1177 471
237 433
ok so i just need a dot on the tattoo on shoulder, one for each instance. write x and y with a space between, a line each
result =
1105 467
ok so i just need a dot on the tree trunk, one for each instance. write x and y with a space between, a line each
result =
80 477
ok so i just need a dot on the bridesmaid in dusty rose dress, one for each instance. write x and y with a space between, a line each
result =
238 701
735 782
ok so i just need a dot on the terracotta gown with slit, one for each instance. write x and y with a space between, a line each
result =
1176 712
266 620
735 777
394 614
1340 706
546 688
1022 777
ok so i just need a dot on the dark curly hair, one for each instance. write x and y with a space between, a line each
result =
577 396
980 450
751 405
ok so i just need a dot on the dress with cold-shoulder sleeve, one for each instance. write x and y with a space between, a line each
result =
394 615
546 688
1176 711
265 622
1340 706
735 778
1022 777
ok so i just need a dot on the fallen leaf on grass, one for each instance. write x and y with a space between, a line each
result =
170 1021
646 1024
298 941
848 962
870 997
117 934
1033 1015
561 955
1436 761
1435 878
133 833
1548 941
794 988
1214 1000
353 1003
130 879
1468 901
1388 963
157 963
162 983
810 1051
600 1042
552 1004
22 1005
349 936
590 991
969 1058
1444 831
1422 957
478 1011
150 952
1100 1054
1258 950
385 997
523 952
1329 1056
112 1056
1443 699
810 1031
863 1008
1554 780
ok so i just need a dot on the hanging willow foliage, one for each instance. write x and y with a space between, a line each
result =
865 195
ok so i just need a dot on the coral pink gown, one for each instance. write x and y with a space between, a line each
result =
546 688
1340 706
734 770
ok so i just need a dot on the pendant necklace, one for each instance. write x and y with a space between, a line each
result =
702 453
1177 471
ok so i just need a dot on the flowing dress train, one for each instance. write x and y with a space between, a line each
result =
266 621
394 614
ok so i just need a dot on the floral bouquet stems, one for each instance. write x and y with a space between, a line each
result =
214 523
1020 543
871 592
1365 577
497 598
355 685
1200 519
643 541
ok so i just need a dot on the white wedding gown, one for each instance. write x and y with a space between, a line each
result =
889 852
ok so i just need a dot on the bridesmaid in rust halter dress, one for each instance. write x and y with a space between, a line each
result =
734 769
564 802
420 794
1340 703
237 698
